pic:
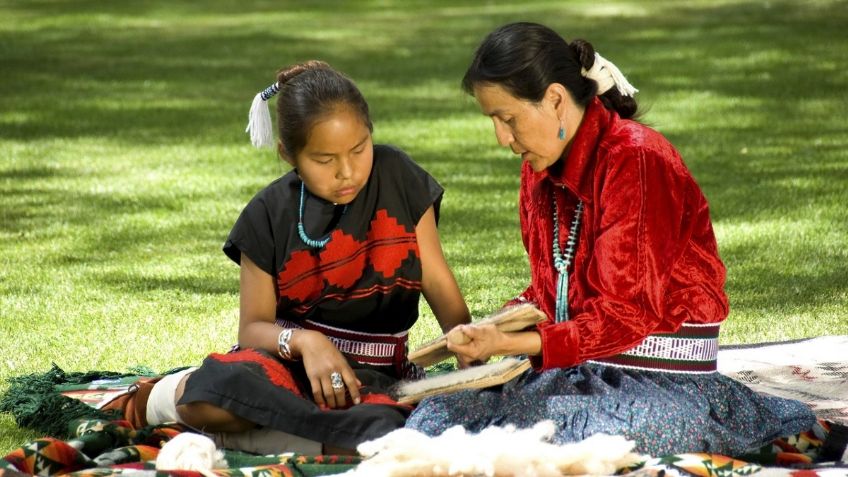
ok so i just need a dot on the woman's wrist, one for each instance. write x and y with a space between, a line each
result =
522 342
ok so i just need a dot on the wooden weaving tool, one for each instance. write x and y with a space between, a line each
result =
515 318
475 377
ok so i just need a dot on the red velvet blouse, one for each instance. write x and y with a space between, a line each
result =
646 258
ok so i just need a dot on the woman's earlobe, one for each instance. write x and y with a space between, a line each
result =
559 96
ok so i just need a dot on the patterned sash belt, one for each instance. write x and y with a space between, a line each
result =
368 348
692 349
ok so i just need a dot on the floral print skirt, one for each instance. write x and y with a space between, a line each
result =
664 413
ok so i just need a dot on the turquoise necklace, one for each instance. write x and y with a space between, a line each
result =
301 231
562 262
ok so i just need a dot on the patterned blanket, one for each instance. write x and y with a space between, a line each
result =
113 448
813 371
97 445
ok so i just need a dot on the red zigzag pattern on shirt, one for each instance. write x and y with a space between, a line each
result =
344 258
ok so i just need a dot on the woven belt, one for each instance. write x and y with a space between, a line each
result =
368 348
692 349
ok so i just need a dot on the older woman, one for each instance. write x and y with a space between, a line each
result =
623 262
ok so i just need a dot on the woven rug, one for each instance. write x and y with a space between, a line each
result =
102 448
813 371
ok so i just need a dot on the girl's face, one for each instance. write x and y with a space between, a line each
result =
529 129
336 161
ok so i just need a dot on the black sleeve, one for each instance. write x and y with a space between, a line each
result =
253 235
418 188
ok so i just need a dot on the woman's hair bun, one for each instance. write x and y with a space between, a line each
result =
585 53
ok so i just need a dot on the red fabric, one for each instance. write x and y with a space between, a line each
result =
370 398
342 262
376 398
276 372
646 257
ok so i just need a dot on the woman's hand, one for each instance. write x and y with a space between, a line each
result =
321 359
457 337
474 344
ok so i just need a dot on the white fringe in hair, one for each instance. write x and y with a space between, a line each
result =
607 75
259 118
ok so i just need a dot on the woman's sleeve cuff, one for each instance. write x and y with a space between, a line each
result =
560 343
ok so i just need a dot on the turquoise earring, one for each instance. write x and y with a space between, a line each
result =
561 134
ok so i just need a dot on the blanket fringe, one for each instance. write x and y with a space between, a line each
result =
34 402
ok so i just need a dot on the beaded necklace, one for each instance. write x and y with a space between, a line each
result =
562 262
301 231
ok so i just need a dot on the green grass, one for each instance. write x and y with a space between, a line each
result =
123 161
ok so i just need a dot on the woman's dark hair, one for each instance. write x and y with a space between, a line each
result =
309 91
526 58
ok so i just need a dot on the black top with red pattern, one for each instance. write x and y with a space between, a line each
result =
367 278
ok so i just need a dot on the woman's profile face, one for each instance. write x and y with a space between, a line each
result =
528 129
336 161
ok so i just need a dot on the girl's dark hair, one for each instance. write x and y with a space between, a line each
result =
309 91
526 58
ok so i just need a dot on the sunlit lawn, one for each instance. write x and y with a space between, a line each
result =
123 161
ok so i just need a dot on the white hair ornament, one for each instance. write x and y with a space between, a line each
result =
259 118
607 75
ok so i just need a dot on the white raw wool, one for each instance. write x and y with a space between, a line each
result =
190 451
495 451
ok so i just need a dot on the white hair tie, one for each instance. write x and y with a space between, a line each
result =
259 118
608 75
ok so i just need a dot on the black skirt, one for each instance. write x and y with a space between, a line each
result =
260 388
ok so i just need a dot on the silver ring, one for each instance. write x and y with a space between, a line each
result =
336 380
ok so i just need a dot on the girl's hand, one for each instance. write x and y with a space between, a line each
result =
475 343
321 359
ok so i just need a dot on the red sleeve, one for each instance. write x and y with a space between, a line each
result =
638 226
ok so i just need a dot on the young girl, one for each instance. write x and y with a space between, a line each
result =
333 256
